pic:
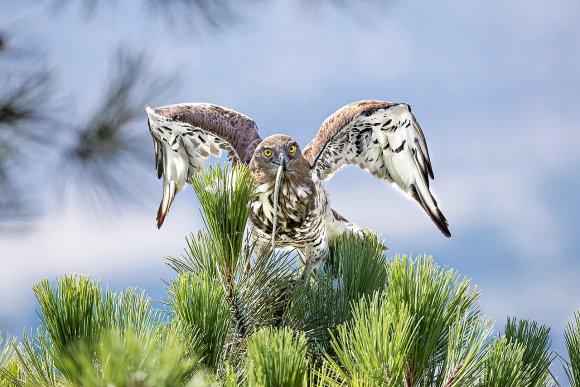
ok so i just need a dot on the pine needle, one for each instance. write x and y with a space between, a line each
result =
572 337
537 356
276 357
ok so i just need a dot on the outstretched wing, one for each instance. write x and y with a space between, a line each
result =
184 135
384 138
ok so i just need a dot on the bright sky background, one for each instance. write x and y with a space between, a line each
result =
495 86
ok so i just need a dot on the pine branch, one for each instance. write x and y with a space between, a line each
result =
179 15
224 195
356 268
202 314
373 348
276 358
467 348
75 311
9 366
107 158
537 357
504 365
24 112
435 297
572 337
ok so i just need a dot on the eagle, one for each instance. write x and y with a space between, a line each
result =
290 206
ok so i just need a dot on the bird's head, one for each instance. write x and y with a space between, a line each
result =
278 151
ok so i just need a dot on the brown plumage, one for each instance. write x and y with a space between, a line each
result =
193 132
293 208
382 137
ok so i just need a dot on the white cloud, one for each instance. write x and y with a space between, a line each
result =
544 296
292 57
70 242
503 183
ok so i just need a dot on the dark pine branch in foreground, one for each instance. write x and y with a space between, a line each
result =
107 160
102 157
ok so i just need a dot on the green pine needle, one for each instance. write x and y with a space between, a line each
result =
36 361
201 313
276 358
357 268
505 365
74 310
572 337
359 264
316 310
132 359
537 357
9 365
436 298
467 346
373 348
70 312
224 195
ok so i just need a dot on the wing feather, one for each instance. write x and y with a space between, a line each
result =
384 138
185 135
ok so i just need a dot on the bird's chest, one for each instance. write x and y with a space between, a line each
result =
296 207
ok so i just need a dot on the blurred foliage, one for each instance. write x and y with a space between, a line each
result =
102 158
244 321
24 117
106 161
199 14
155 359
211 15
182 13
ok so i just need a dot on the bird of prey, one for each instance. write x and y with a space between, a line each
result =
381 137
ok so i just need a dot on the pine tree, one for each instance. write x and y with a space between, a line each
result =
237 319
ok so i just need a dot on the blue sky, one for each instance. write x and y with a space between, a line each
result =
495 86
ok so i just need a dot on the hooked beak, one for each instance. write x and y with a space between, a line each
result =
283 160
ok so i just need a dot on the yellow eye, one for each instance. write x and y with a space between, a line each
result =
267 152
292 149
